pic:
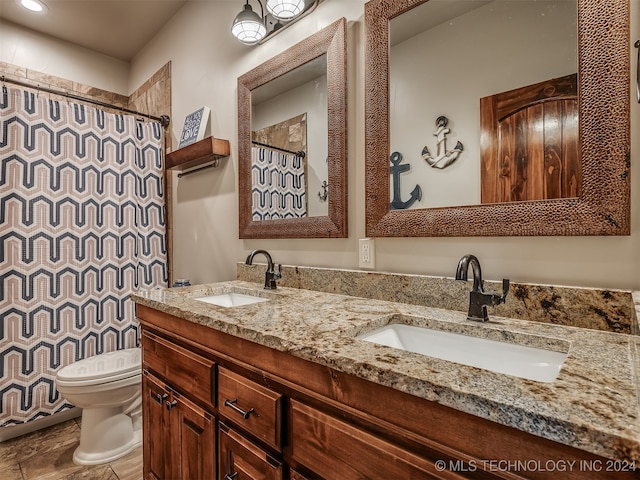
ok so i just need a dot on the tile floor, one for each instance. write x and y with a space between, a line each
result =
47 454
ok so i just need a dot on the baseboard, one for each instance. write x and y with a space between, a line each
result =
13 431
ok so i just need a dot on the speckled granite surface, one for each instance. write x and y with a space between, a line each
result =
593 404
598 309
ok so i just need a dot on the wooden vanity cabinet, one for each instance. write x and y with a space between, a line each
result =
282 417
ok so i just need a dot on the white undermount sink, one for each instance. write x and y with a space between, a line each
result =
518 360
231 299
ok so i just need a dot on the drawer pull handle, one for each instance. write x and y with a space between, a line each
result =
232 404
160 398
170 405
230 476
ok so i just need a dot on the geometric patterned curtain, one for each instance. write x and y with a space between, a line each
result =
82 225
278 185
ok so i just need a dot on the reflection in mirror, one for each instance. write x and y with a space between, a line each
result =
449 104
326 48
459 65
289 135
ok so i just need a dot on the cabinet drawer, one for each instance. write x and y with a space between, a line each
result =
188 372
242 460
252 407
293 475
335 449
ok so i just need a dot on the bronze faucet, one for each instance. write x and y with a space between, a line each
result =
478 298
271 275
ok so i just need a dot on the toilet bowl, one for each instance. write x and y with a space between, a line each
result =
108 388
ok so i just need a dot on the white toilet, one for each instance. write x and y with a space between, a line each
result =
108 388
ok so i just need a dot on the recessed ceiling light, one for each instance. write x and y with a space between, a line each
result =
33 5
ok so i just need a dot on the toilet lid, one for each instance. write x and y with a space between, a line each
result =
106 366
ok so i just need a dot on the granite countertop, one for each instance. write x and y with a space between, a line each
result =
593 405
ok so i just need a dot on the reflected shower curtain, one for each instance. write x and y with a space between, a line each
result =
81 227
278 185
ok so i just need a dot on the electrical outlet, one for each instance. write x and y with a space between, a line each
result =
367 253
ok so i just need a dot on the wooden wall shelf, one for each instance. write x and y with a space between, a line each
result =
199 153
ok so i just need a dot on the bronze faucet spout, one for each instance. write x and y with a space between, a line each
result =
462 271
478 298
271 275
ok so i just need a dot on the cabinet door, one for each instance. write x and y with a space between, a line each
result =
154 414
242 460
193 437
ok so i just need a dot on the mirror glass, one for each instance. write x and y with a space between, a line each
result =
459 92
292 156
459 65
289 115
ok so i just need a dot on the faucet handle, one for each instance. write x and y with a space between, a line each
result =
278 274
505 288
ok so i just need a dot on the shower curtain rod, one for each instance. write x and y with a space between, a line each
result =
299 153
163 119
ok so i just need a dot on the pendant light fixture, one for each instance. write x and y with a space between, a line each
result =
248 26
285 9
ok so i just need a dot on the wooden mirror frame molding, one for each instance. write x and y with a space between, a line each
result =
603 207
331 41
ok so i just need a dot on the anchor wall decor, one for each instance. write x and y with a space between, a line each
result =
443 157
396 169
325 191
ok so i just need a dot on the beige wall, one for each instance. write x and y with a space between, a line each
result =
206 62
45 54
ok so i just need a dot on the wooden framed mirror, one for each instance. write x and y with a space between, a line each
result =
602 204
327 47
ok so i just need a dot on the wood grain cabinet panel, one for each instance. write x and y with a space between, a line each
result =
179 436
155 444
193 436
335 449
185 370
252 407
240 459
293 475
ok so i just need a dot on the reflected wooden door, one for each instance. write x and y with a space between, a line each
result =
529 146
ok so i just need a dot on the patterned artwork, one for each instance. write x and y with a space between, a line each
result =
278 186
81 226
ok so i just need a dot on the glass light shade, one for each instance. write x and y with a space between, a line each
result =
248 26
285 9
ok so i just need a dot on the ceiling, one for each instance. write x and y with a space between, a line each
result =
118 28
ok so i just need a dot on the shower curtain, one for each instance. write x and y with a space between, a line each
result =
81 226
278 185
